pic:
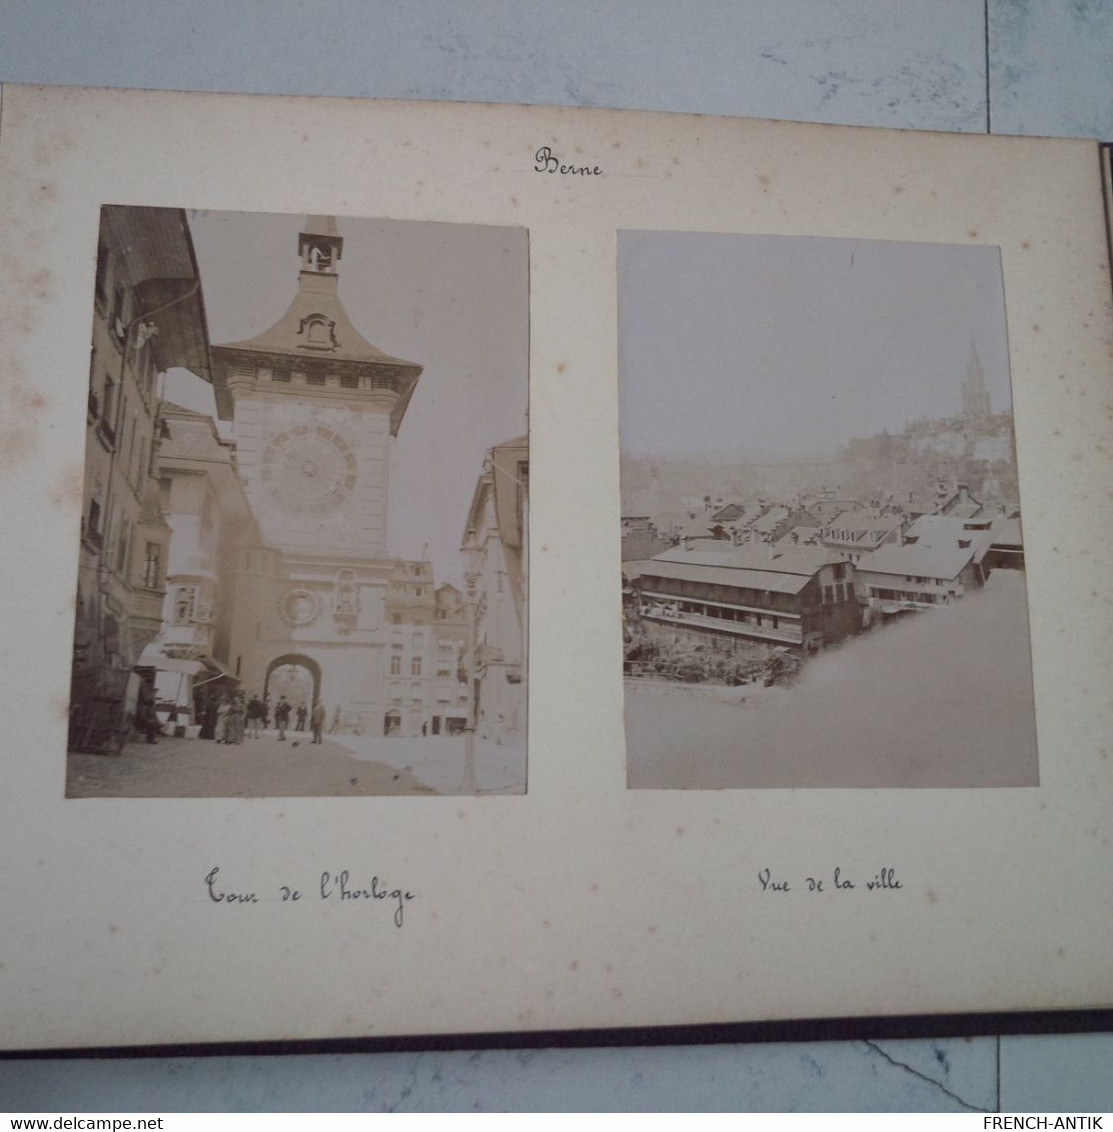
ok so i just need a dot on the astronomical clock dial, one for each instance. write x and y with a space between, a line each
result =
310 469
299 607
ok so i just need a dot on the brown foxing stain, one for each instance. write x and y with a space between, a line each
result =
1036 327
764 180
514 201
897 190
574 965
640 162
61 706
18 404
69 487
973 233
680 831
932 898
616 145
1025 245
38 283
560 367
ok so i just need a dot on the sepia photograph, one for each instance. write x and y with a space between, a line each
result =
303 554
822 553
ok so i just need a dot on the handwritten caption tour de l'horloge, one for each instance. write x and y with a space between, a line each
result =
333 887
884 880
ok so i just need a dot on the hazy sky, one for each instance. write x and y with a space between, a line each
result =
790 345
453 298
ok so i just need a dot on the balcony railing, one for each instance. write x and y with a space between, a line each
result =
782 634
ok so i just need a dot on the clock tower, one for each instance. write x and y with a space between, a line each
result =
314 407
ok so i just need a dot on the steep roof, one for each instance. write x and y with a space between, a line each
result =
156 251
317 295
920 560
782 570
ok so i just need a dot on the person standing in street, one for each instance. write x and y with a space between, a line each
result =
146 719
222 713
317 719
208 715
302 713
282 717
236 716
254 715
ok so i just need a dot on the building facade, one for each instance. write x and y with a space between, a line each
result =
315 407
495 549
205 508
802 599
148 316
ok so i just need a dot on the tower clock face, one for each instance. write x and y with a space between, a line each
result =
309 469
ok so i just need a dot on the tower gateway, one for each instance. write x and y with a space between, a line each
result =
315 407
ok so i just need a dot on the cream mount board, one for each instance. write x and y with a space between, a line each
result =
573 902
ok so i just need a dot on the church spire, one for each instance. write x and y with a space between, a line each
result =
975 395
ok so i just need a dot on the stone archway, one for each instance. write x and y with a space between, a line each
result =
290 672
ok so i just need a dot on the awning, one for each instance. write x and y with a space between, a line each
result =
153 657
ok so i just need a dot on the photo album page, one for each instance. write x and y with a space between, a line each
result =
480 569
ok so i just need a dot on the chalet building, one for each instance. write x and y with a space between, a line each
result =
801 598
942 557
148 316
495 554
857 532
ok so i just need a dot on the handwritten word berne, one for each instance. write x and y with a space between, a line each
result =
547 162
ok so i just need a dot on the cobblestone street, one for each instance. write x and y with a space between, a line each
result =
257 768
342 765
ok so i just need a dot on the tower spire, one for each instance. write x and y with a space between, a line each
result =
975 395
320 246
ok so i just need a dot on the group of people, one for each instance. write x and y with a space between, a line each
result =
228 717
